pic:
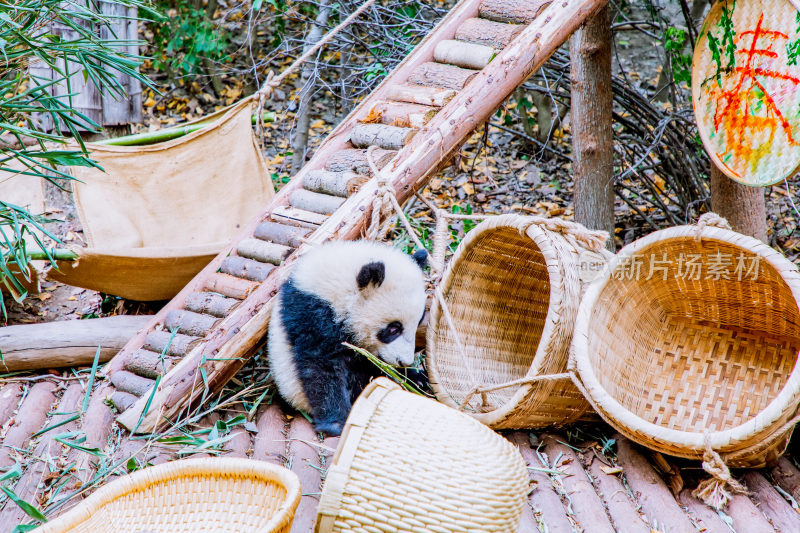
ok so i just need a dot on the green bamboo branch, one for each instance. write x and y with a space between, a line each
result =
58 254
167 134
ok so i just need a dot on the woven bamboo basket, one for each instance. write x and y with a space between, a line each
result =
498 348
194 495
406 463
688 345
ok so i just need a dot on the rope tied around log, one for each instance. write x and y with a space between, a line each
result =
717 490
710 219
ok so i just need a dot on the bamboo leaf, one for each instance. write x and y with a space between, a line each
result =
29 509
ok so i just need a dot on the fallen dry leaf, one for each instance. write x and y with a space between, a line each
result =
611 469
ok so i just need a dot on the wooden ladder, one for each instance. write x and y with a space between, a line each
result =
448 86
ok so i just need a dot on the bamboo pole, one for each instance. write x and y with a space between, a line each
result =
167 134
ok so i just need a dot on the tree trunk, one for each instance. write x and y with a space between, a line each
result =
744 207
592 136
300 144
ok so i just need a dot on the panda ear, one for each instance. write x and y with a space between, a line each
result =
371 274
421 257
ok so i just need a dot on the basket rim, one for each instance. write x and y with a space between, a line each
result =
783 405
210 466
338 474
526 226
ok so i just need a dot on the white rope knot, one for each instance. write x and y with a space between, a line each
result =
710 219
576 234
717 490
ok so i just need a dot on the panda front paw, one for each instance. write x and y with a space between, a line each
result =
331 429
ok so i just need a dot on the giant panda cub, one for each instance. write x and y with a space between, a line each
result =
370 295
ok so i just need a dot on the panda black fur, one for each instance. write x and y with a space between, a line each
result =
368 294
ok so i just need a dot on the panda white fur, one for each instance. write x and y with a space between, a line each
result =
368 294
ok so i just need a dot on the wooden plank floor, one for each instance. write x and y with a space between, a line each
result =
574 485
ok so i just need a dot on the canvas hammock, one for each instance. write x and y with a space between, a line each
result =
159 213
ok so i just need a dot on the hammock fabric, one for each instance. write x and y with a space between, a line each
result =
160 213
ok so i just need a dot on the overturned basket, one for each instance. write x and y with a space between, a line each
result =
406 463
498 348
194 495
688 345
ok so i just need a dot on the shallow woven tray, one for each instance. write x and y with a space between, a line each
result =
193 495
512 289
406 463
680 363
746 102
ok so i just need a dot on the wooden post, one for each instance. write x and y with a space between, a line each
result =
592 136
744 207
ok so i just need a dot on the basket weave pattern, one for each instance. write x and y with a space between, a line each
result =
675 362
194 495
408 464
513 290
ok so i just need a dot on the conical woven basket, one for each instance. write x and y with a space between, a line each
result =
689 344
408 464
194 495
500 349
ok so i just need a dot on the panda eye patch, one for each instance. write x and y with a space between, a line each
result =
390 332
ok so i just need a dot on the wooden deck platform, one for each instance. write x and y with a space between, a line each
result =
574 485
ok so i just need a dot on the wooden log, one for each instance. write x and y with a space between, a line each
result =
281 233
465 55
323 204
123 400
487 32
298 217
543 499
706 517
244 268
30 418
336 183
247 325
592 133
30 483
743 207
512 11
745 515
269 443
419 94
210 303
265 252
586 504
304 457
147 364
189 323
445 76
771 503
381 135
657 501
621 508
401 114
96 425
167 343
10 395
787 477
131 383
66 342
241 444
355 160
230 286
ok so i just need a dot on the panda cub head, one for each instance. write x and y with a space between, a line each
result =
376 292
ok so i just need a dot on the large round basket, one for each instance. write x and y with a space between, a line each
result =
408 464
688 345
498 348
194 495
